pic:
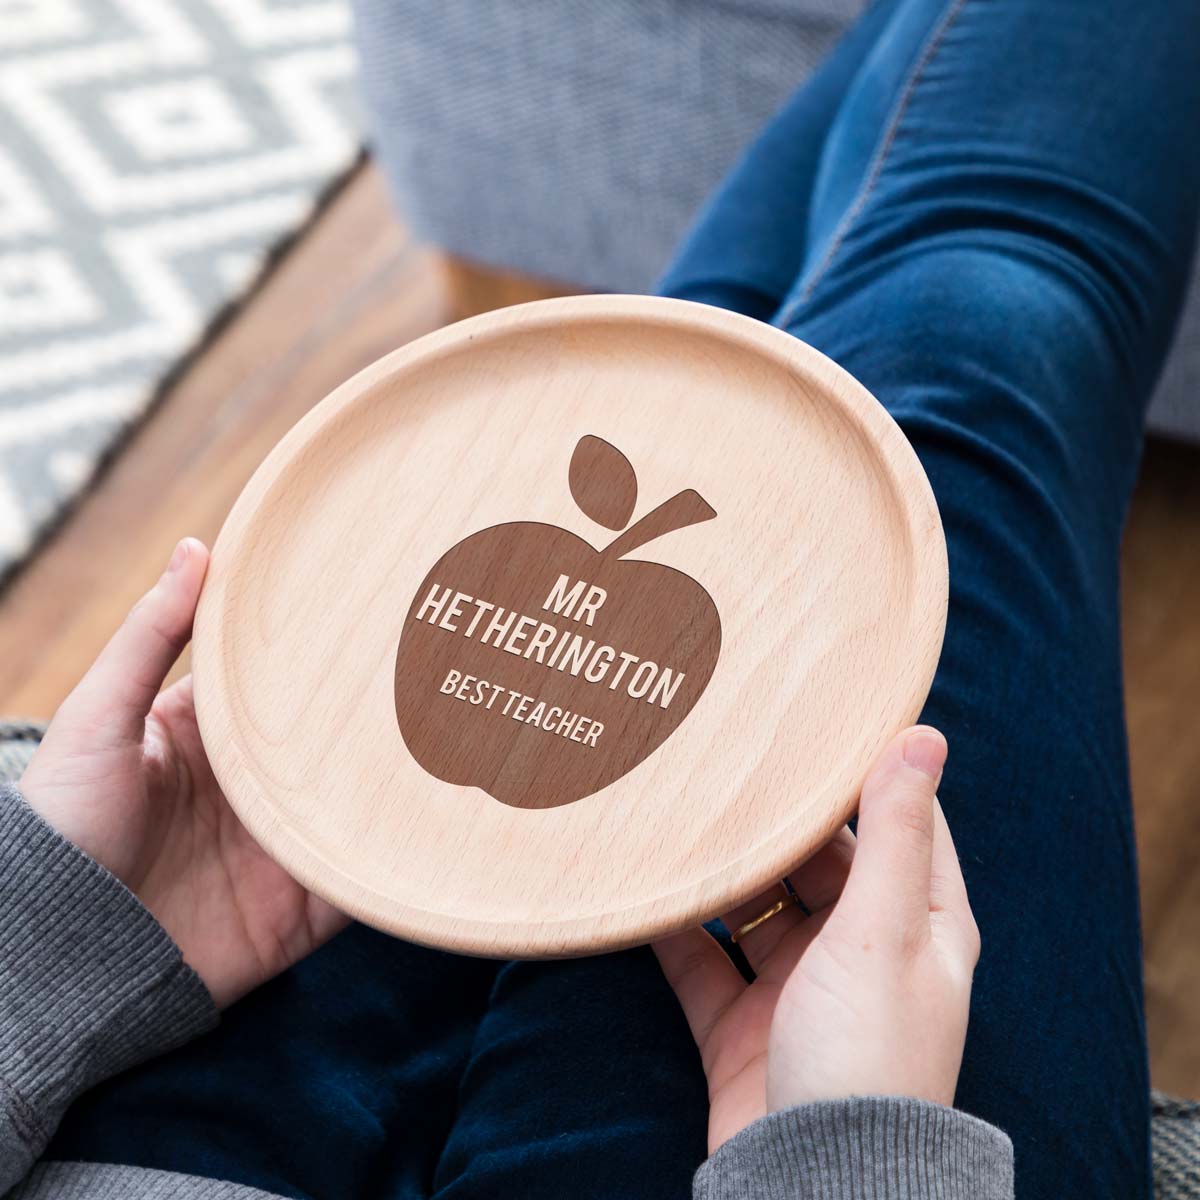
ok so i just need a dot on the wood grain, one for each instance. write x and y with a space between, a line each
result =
436 483
353 287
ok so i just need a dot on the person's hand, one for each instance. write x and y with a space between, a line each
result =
122 773
869 995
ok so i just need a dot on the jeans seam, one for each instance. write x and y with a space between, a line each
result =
879 159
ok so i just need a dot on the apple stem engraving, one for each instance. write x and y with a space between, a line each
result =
686 508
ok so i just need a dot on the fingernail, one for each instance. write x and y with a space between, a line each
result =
925 749
179 556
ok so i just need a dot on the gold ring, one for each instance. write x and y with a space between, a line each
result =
774 911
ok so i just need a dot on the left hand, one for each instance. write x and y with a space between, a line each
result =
122 773
869 995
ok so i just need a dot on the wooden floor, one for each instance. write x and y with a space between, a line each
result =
1161 613
354 287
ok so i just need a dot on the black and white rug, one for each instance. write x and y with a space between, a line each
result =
151 154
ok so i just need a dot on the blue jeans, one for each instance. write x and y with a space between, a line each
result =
984 210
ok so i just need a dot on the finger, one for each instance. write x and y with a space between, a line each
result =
702 977
180 693
889 881
817 883
120 687
948 891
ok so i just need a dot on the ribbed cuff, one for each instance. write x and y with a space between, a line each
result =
90 983
99 1181
865 1148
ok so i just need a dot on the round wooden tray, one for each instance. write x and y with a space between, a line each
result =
568 626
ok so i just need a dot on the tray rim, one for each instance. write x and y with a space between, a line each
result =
671 910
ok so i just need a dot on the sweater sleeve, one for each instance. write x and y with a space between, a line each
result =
862 1148
90 983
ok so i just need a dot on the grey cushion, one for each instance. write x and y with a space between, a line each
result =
575 141
1175 1128
18 741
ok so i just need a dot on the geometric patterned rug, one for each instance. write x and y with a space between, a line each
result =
152 153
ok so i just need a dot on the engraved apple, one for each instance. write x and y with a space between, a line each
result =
540 669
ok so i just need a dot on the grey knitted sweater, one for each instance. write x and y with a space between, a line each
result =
91 984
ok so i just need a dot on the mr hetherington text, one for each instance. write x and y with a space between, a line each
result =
556 648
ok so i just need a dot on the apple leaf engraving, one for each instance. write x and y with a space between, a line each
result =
603 482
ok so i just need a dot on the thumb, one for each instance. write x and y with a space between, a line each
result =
889 881
116 694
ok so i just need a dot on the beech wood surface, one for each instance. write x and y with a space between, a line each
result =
354 287
811 527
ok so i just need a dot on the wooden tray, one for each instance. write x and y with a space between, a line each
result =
568 626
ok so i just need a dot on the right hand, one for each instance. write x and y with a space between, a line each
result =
123 774
869 995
